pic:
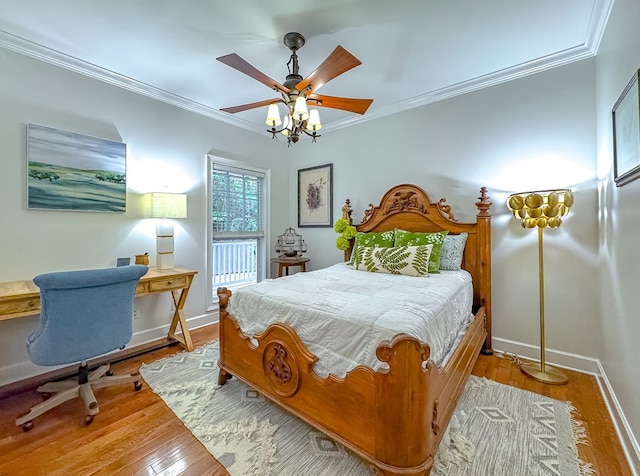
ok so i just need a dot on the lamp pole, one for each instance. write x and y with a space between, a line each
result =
541 292
540 371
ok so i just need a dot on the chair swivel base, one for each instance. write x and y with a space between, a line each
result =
549 375
70 389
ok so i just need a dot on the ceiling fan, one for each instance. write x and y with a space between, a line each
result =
296 91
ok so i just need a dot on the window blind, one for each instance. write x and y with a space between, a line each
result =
238 202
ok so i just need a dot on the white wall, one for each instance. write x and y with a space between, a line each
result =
166 146
536 132
619 329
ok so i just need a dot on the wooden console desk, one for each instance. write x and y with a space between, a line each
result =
22 298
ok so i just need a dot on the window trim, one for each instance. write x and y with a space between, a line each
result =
265 241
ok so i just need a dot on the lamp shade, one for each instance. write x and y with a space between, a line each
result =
287 126
313 124
273 116
541 209
165 205
300 112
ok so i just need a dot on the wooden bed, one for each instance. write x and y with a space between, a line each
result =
392 418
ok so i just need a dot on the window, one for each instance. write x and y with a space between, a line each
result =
237 225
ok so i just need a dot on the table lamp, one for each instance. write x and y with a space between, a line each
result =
165 205
540 210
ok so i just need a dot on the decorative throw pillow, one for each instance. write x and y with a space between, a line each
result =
370 240
407 260
453 251
408 238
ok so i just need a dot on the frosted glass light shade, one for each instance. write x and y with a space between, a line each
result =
273 116
313 124
165 205
300 112
286 128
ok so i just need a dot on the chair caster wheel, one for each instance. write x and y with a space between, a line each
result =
45 395
88 419
109 373
28 426
137 385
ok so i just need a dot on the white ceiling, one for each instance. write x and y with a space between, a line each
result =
413 52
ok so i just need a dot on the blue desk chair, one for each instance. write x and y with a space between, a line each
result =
83 314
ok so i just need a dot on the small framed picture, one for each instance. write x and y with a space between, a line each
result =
626 134
315 196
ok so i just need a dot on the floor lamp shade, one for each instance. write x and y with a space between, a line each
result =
542 209
165 205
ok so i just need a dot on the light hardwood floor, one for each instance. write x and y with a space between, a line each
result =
136 433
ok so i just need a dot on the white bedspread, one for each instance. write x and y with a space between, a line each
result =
342 314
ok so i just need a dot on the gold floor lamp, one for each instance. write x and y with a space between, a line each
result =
541 210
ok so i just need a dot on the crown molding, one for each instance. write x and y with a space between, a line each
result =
597 23
54 57
599 17
498 77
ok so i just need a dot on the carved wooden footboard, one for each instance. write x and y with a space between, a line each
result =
393 418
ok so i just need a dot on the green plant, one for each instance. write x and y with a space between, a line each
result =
347 232
342 243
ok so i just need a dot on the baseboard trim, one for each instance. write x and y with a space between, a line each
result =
625 434
581 363
141 343
567 360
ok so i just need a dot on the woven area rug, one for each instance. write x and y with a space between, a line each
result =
497 429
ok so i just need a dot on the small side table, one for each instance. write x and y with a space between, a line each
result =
284 263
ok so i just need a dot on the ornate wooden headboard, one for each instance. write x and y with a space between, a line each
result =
409 208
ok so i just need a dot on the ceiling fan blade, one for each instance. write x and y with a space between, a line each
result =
253 105
236 62
338 62
359 106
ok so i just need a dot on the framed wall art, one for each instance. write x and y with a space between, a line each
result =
315 196
626 134
69 171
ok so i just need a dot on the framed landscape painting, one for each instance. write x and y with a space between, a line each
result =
315 196
70 171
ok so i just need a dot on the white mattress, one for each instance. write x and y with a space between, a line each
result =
342 314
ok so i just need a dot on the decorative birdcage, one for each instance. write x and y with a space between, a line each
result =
290 244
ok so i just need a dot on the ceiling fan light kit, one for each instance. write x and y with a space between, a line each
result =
297 91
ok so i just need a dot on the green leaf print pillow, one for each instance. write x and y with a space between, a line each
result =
408 238
370 240
407 260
